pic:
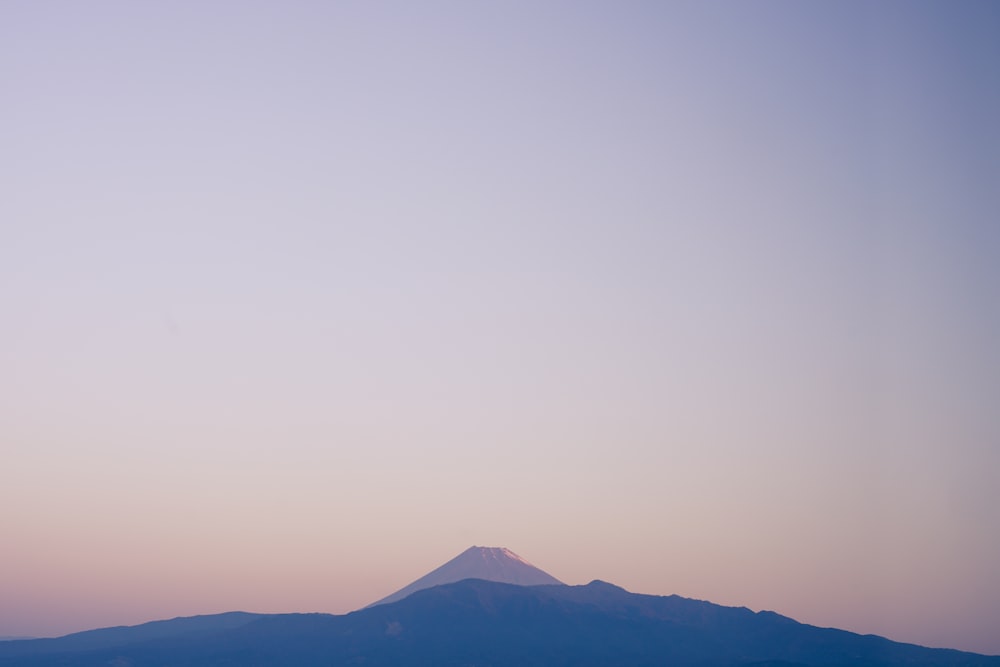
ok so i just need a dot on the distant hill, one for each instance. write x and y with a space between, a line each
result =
491 624
91 640
488 563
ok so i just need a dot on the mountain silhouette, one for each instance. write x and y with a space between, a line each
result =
108 638
492 624
487 563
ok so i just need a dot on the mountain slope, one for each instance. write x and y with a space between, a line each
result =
490 624
89 640
488 563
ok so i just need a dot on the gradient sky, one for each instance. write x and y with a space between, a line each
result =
298 300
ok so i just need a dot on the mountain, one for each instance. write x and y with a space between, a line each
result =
491 624
91 640
488 563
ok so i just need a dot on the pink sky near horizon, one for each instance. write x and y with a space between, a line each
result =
300 300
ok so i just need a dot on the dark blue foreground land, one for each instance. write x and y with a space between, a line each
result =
487 624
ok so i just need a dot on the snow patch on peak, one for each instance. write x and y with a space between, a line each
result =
497 554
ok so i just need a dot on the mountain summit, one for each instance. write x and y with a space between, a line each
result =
489 563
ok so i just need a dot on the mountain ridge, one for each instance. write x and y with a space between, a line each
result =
495 624
101 638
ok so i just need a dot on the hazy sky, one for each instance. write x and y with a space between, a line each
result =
298 300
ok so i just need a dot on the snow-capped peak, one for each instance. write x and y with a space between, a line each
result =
489 563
